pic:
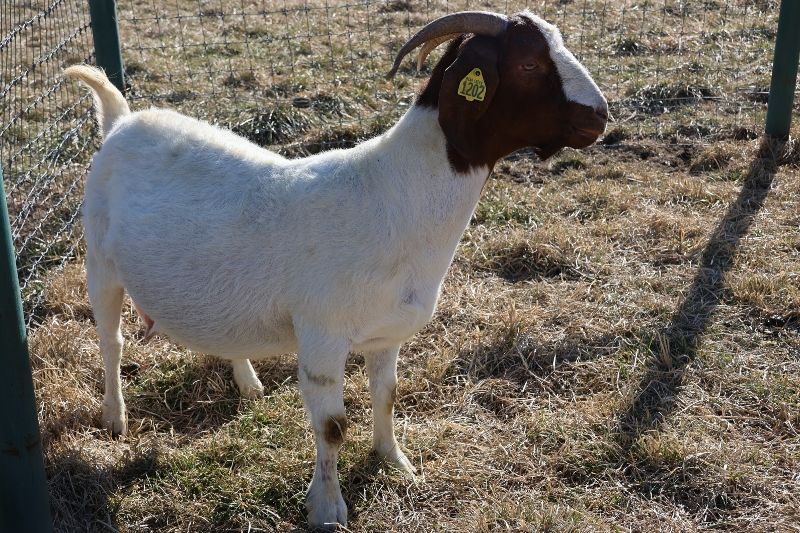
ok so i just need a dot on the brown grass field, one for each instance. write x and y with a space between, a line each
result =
617 346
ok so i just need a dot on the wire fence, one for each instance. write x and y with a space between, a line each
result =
47 134
302 76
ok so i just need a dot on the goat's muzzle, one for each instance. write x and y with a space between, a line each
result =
586 124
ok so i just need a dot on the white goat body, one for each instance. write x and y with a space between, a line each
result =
236 251
226 245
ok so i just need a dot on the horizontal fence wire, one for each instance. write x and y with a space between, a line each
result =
303 76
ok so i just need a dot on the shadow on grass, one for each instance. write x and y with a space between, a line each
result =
196 397
654 398
517 356
81 491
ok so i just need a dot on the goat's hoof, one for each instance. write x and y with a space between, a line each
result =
327 516
115 421
252 392
398 459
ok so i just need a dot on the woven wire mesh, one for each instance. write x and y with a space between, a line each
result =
302 76
299 76
47 134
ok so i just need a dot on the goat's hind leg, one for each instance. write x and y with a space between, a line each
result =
105 294
246 379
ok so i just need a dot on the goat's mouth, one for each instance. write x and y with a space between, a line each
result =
546 151
583 137
586 124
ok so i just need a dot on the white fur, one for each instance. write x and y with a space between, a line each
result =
108 106
225 245
576 81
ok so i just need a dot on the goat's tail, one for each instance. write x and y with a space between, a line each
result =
108 101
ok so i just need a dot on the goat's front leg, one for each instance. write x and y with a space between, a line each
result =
321 362
382 371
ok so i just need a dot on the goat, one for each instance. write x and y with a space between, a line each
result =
236 251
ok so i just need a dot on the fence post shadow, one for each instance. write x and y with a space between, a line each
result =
675 347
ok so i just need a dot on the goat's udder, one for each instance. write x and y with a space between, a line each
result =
149 323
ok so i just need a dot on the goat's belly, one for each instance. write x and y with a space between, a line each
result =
214 329
231 346
234 341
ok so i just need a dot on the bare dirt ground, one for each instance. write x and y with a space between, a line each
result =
617 346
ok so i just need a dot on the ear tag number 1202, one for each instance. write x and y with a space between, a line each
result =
472 86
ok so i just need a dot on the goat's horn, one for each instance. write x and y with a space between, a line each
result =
428 47
478 22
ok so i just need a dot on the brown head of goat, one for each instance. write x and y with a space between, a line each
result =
504 84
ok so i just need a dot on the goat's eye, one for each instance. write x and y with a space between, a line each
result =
530 66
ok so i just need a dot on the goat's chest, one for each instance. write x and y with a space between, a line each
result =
400 306
404 298
390 323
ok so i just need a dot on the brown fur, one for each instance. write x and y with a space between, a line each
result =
521 108
335 430
317 379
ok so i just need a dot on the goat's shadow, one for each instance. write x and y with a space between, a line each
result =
654 398
198 396
92 507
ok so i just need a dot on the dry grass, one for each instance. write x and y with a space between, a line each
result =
633 369
617 346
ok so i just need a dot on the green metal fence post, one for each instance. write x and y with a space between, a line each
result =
106 40
784 70
24 502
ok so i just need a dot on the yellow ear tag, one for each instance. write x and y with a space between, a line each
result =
472 87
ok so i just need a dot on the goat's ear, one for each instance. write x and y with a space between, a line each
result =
467 89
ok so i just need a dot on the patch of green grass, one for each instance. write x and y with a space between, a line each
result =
527 260
712 159
628 46
662 97
615 135
569 161
276 125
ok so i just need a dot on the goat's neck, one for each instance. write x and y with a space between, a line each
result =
436 201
